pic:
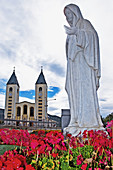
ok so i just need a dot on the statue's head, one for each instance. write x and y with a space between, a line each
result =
72 13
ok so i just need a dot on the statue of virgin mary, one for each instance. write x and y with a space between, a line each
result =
83 72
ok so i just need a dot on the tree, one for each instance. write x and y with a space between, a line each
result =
108 118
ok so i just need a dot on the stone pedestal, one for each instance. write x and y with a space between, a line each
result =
65 118
74 130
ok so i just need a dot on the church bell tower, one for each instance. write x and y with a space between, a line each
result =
41 98
12 96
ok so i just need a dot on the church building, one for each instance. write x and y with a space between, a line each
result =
26 110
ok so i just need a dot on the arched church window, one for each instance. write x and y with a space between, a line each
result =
31 111
40 89
18 111
40 92
25 109
10 89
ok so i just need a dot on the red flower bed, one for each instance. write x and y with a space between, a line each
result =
14 137
92 150
11 160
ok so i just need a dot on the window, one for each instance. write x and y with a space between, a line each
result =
9 109
31 111
40 110
40 117
18 111
9 100
39 103
9 103
39 106
40 97
40 100
9 106
25 109
10 89
40 89
10 96
40 114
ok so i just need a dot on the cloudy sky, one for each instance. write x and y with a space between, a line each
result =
32 35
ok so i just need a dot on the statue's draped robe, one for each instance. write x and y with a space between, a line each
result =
83 73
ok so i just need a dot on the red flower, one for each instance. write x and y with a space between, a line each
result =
109 124
16 163
57 147
54 155
84 166
0 164
79 162
79 159
22 159
69 135
10 166
85 134
34 144
29 167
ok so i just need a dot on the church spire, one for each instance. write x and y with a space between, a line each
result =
41 78
13 79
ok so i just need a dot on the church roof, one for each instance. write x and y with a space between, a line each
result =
41 78
13 79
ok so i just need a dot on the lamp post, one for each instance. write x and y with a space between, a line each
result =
47 115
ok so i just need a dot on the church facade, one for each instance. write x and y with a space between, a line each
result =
26 110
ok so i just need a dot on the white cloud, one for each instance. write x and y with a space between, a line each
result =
61 102
2 101
21 99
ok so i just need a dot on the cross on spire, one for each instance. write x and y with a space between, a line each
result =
14 69
41 68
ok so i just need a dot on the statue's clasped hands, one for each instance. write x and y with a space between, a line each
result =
70 30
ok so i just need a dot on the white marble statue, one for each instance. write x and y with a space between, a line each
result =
83 72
